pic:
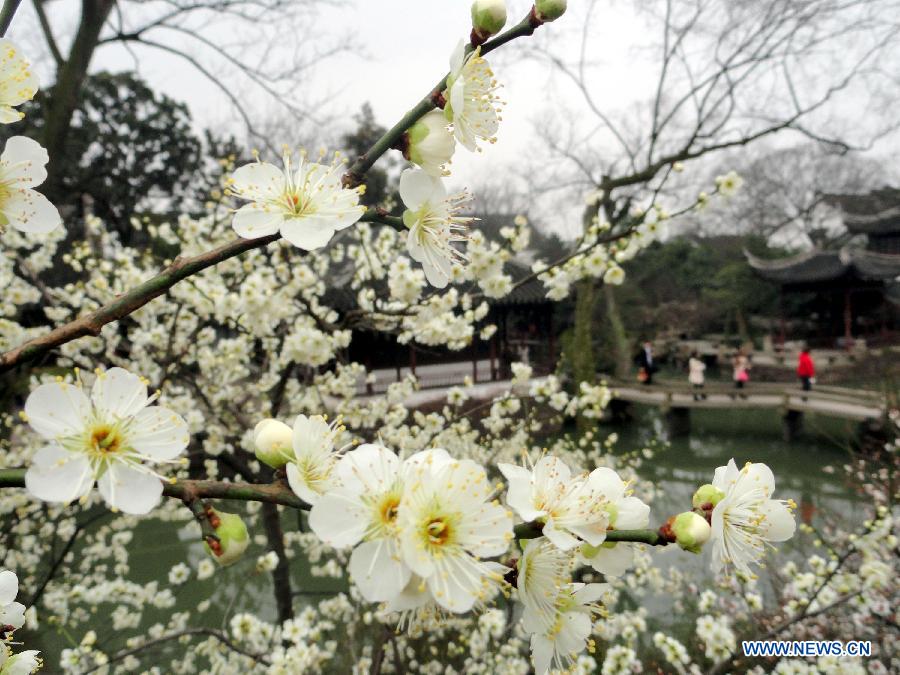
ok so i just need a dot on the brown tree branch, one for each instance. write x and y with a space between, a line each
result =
7 12
92 323
277 492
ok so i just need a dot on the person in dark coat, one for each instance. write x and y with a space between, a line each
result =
806 369
646 363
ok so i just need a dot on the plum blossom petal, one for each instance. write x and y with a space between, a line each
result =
30 211
130 490
57 409
251 222
339 518
18 82
119 393
159 433
56 475
377 569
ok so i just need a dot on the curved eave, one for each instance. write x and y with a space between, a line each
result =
876 212
873 266
811 267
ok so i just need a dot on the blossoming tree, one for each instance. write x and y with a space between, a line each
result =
183 388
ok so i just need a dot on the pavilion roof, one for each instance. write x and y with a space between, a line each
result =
820 266
877 212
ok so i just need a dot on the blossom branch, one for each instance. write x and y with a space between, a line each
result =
209 632
91 324
7 12
186 490
357 171
182 268
193 491
649 537
382 217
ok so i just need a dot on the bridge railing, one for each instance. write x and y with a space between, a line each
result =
829 393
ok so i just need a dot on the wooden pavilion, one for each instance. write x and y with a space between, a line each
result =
855 291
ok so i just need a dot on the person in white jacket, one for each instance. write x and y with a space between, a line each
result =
696 368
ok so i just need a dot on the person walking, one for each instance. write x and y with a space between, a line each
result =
741 369
696 376
806 369
645 363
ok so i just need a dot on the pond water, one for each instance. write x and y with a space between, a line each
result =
716 436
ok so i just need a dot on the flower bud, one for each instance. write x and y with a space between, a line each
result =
691 531
488 18
232 534
707 495
430 144
550 10
274 443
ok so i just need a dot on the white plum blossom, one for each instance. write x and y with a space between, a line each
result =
111 438
18 82
430 144
306 204
746 518
729 184
472 104
310 472
626 512
570 508
12 613
179 574
364 509
22 168
447 524
558 613
434 224
23 663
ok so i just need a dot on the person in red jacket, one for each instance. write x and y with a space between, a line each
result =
806 371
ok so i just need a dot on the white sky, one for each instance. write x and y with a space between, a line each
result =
397 50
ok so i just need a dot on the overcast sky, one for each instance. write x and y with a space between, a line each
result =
394 52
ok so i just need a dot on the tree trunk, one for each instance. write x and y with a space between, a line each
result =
741 322
584 366
621 344
67 89
281 576
583 362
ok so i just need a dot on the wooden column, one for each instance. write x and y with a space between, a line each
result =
782 328
493 346
552 342
848 321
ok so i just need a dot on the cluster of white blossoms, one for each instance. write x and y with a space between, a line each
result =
419 527
308 204
429 536
420 530
12 617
